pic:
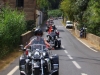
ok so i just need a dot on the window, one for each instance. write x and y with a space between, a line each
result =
20 3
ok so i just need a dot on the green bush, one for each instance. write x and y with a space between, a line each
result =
12 25
30 24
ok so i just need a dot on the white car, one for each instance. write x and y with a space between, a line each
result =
69 24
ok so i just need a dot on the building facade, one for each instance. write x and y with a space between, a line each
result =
28 6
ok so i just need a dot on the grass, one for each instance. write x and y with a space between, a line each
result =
5 61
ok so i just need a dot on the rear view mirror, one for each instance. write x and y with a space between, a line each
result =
22 47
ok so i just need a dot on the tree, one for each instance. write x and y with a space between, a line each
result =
66 6
48 4
81 6
54 13
43 4
92 17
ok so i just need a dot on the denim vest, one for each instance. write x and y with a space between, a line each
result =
38 41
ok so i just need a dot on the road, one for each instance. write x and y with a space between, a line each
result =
74 57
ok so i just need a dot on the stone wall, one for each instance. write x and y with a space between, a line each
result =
94 39
25 38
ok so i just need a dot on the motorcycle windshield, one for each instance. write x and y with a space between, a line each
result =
37 47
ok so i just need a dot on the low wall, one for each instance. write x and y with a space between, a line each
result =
94 39
91 37
26 37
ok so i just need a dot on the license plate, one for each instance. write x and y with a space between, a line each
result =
55 66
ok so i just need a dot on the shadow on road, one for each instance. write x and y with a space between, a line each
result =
60 48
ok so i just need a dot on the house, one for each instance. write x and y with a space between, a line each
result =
28 6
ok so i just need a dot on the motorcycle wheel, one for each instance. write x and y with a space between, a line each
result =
59 46
55 44
56 73
37 71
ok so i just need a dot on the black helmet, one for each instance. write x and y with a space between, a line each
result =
38 32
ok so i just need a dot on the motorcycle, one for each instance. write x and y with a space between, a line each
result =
55 30
57 33
38 62
54 40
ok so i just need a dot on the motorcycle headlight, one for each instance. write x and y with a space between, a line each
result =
36 54
44 54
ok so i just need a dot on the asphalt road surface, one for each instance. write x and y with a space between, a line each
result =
74 57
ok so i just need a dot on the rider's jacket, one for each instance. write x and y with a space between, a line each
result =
49 31
52 34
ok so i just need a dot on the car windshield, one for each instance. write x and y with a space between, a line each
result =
69 22
37 46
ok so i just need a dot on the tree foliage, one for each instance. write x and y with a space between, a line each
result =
54 13
66 6
43 4
85 12
12 25
48 4
92 17
54 4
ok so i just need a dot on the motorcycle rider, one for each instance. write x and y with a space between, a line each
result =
38 39
54 27
52 32
50 28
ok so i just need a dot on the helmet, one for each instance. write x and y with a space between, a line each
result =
38 32
53 25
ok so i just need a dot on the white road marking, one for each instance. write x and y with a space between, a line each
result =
69 56
13 70
66 52
83 74
88 46
63 46
76 64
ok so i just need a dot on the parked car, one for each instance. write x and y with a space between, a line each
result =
69 24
